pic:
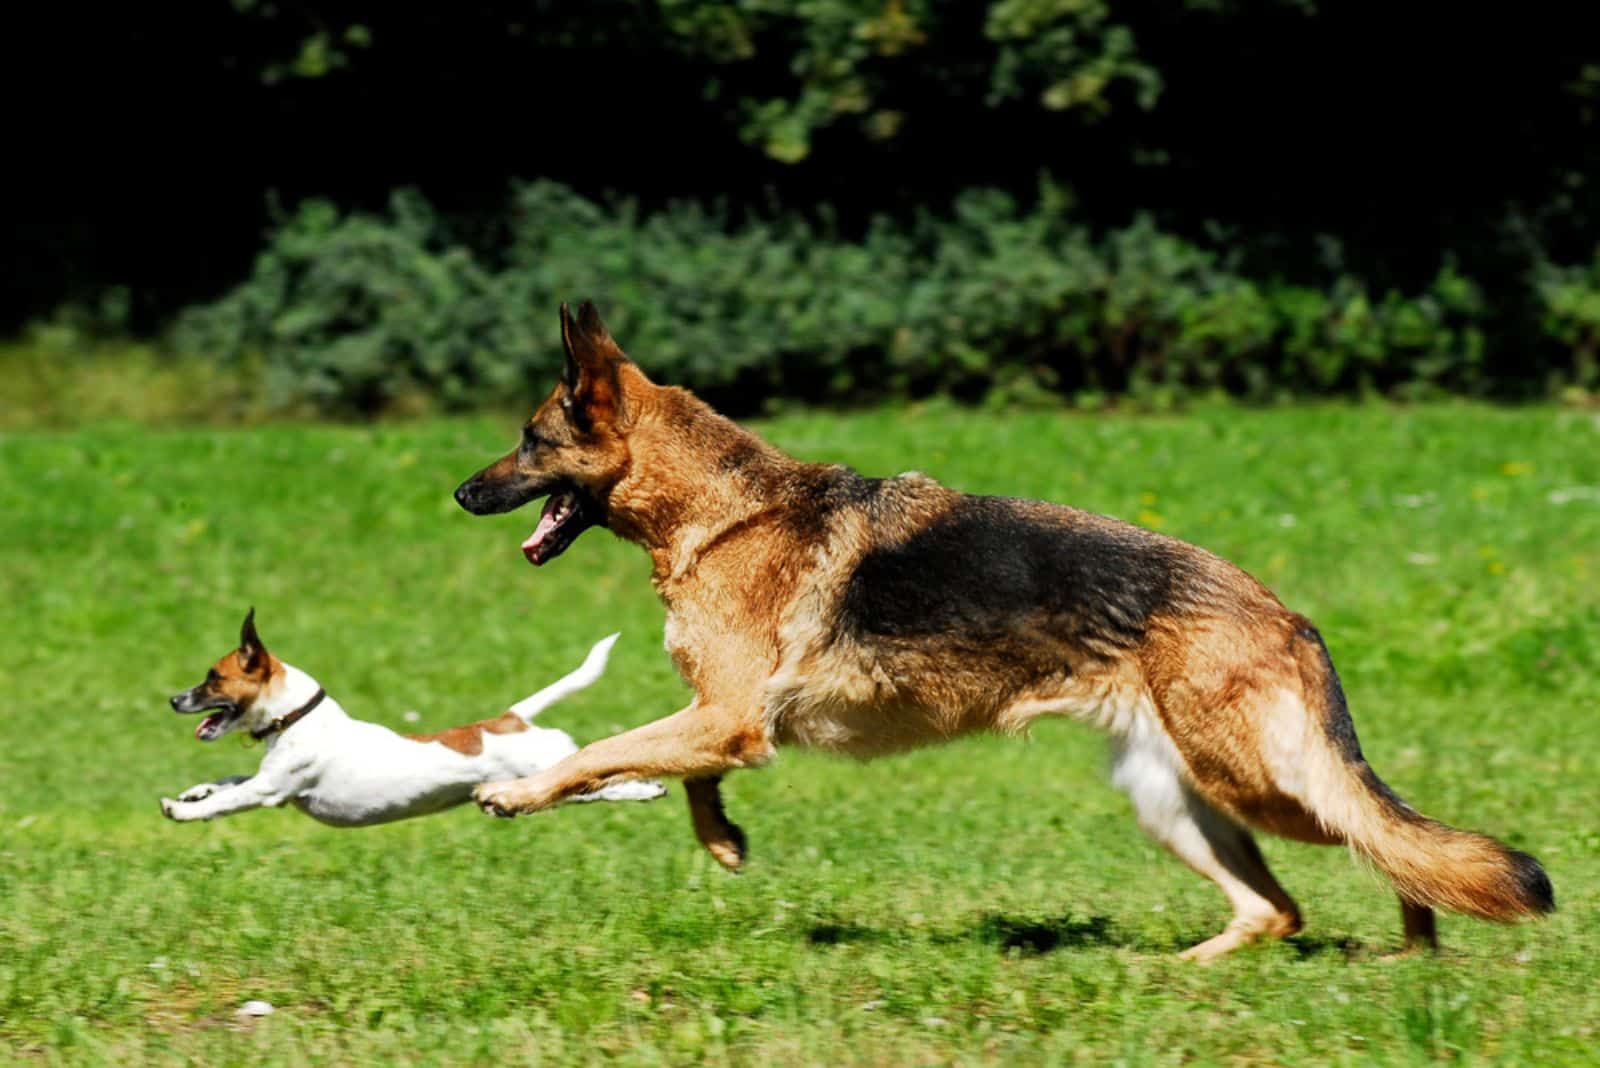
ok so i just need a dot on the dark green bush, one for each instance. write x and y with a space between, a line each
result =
353 312
1570 300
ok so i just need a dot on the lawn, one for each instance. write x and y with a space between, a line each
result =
989 902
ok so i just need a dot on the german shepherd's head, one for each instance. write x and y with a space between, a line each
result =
574 449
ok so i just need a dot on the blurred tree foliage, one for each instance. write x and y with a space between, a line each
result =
875 64
1317 145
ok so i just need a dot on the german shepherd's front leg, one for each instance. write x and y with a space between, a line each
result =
723 838
698 744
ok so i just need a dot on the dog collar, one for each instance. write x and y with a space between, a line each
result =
289 719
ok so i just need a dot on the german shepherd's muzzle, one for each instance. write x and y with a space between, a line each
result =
567 513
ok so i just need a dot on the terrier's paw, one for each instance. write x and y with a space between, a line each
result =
169 808
199 791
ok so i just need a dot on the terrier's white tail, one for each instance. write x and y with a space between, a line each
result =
588 673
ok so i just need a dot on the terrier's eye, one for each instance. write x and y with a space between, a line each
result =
212 676
530 438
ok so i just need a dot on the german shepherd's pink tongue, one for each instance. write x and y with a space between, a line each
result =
556 508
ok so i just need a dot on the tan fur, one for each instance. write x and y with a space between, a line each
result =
1217 701
468 738
240 680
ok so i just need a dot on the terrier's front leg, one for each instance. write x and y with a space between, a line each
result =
202 790
252 793
180 810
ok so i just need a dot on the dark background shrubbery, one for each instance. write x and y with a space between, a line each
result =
833 201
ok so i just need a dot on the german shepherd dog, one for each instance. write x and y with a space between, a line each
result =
809 605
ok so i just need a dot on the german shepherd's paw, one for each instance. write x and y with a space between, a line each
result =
728 849
504 799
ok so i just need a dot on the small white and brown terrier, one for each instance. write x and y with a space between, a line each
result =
349 773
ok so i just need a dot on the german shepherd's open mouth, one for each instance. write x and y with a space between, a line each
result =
567 512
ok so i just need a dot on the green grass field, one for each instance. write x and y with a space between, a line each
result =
989 902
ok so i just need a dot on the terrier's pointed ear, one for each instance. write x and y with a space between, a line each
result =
593 358
252 654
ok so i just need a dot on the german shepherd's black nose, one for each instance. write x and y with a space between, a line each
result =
471 495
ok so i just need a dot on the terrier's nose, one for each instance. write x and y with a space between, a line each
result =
176 700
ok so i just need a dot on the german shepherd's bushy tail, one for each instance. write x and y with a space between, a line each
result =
1429 862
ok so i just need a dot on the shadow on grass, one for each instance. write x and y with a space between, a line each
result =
1308 948
1010 934
1032 937
835 934
1304 947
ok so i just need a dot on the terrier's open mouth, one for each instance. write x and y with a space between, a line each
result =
566 514
221 712
211 728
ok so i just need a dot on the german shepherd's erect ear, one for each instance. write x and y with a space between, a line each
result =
592 393
252 654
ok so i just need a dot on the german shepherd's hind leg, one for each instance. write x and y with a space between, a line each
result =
1422 935
1147 768
722 838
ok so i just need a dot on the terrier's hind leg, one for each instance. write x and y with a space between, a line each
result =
634 790
1148 769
